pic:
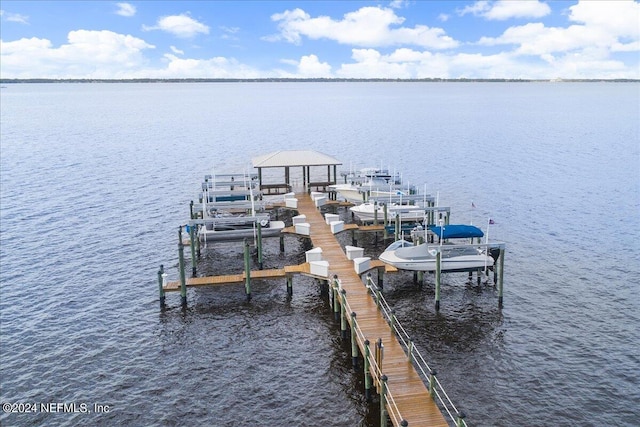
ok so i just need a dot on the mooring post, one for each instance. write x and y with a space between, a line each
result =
191 210
343 316
290 285
381 277
432 383
281 243
354 341
392 321
460 416
501 276
183 279
383 401
385 212
161 285
192 243
336 298
375 213
438 274
198 247
354 242
247 270
259 246
410 350
397 234
367 373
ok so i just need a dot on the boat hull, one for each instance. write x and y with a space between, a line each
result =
415 259
274 229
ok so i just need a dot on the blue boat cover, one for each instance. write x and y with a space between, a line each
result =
457 231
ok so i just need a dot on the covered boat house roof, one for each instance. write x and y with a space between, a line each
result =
288 159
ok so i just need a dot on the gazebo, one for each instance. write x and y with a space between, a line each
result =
288 159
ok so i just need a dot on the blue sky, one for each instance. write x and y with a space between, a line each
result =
529 39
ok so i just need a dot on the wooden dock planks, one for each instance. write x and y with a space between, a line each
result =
408 389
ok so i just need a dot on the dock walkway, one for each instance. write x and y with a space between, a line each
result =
407 389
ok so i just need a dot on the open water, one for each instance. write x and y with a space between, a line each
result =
96 179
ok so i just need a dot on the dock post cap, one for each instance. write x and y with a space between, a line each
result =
353 314
404 423
343 291
384 378
433 372
461 415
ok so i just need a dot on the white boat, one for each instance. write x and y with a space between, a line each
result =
370 182
454 257
423 257
366 212
238 228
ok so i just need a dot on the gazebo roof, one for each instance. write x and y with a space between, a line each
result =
286 158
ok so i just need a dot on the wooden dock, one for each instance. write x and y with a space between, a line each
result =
409 392
408 400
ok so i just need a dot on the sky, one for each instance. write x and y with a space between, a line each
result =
402 39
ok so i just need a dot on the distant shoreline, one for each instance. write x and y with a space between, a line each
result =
322 80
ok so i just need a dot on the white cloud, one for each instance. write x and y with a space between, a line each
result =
366 27
179 25
214 68
399 4
506 9
88 54
601 28
310 66
618 18
176 50
14 17
125 9
408 63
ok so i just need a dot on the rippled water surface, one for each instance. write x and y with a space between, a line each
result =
96 179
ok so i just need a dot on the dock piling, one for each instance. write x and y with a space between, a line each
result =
367 373
336 298
501 277
383 401
183 279
432 383
161 278
192 243
343 316
259 242
438 277
354 341
289 285
247 270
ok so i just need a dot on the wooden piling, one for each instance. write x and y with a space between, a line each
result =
343 316
247 270
354 341
183 279
290 285
367 373
383 401
432 383
259 243
161 285
438 274
192 243
501 277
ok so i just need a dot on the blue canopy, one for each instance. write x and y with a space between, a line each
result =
457 231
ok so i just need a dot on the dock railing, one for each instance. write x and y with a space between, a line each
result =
413 354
